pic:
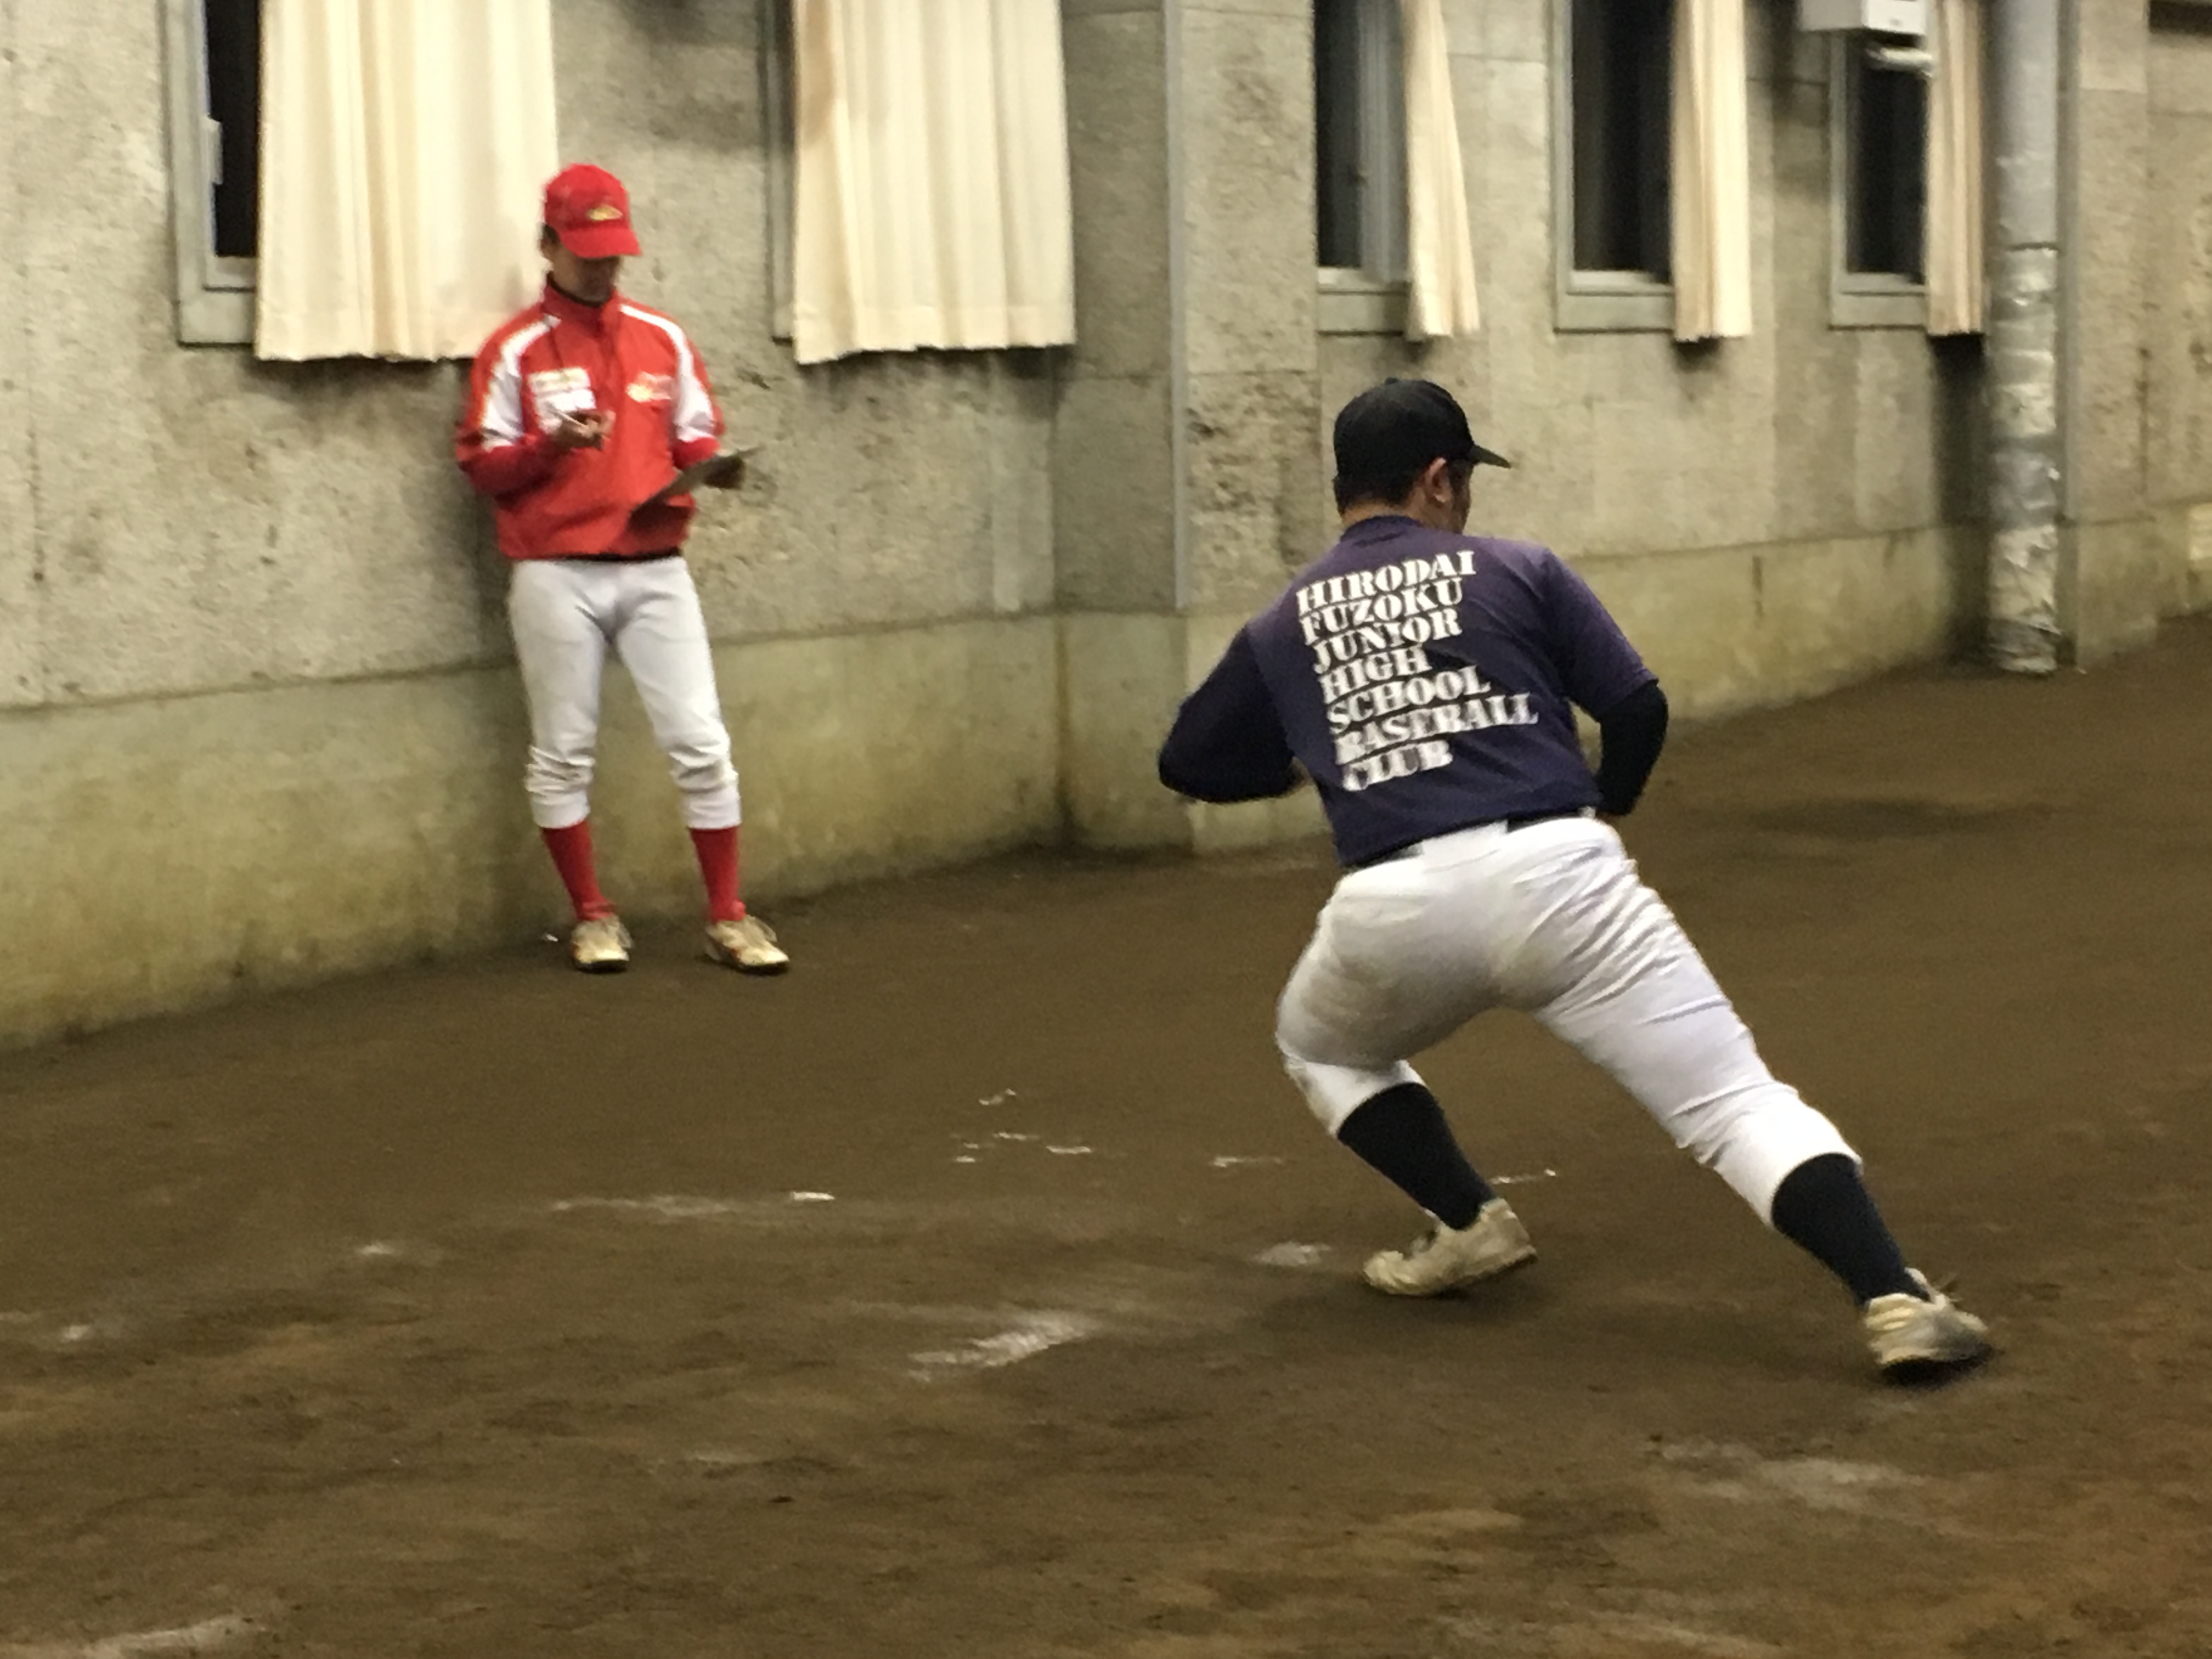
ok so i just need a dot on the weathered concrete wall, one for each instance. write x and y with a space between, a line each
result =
2177 353
1768 514
2110 581
258 717
1188 477
164 850
257 721
1771 516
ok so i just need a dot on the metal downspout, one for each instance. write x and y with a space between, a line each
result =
2025 405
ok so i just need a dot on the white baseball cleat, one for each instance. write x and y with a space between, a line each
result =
1914 1339
1493 1242
747 944
600 946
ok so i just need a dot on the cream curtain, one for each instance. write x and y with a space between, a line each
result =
1439 237
931 189
1958 282
406 146
1711 154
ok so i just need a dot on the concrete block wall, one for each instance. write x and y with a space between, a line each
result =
259 720
1770 516
2176 366
2107 590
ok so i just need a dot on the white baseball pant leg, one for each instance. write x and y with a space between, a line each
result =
661 637
1553 919
565 614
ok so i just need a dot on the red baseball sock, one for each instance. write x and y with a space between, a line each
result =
571 848
718 864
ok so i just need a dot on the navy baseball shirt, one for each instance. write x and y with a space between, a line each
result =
1423 680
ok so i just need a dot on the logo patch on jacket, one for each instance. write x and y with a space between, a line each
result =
562 391
651 388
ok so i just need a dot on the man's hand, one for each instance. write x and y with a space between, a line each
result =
727 475
581 431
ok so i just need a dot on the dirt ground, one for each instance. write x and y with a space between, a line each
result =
982 1289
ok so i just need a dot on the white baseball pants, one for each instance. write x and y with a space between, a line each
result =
565 614
1551 919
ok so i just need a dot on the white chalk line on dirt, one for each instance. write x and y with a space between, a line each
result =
42 1331
1529 1636
1292 1254
1688 1638
209 1635
1818 1483
676 1207
996 1138
1030 1335
403 1251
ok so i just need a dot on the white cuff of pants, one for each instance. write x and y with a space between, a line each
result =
1764 1140
1335 1093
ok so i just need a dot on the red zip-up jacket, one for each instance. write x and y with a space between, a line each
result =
563 356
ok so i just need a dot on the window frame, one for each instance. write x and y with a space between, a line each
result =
1370 297
779 67
214 294
1860 299
1591 301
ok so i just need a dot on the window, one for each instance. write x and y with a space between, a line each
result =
1359 165
214 145
1879 147
1613 136
1888 171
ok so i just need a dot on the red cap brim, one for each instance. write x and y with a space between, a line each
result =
600 242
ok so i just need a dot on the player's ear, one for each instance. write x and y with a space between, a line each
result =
1436 480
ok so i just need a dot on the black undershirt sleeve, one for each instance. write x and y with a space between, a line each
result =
1631 732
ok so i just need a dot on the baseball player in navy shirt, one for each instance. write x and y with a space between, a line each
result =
1425 680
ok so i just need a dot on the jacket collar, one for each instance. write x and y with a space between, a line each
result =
596 319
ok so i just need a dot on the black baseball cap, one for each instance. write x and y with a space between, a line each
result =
1393 430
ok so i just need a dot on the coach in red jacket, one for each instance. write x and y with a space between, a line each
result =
582 410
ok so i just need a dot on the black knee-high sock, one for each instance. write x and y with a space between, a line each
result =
1823 1206
1403 1136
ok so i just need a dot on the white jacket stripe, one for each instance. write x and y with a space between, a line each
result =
693 415
500 419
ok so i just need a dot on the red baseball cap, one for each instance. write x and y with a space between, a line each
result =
589 211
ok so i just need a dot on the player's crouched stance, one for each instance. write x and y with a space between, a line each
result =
1423 678
582 411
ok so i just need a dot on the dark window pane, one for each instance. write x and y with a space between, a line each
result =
234 58
1623 94
1889 170
1337 170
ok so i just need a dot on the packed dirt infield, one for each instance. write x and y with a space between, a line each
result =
982 1289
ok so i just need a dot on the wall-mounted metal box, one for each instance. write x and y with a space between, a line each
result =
1906 17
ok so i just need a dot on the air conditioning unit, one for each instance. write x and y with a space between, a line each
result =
1908 18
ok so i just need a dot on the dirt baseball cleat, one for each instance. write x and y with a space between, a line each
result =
600 946
1449 1258
1914 1340
747 944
